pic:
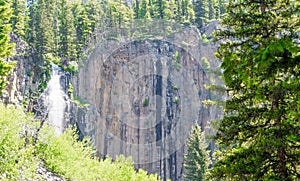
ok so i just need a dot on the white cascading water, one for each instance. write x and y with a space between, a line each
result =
55 100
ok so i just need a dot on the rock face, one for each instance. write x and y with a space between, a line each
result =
135 96
144 96
44 174
20 79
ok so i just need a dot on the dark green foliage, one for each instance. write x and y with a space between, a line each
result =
65 29
146 102
201 12
67 33
211 9
118 14
143 11
188 12
43 28
158 8
219 8
172 10
20 17
259 135
196 161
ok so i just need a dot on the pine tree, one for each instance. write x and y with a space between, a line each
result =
219 8
95 14
44 17
196 160
221 4
187 12
157 7
144 10
30 25
20 17
160 8
136 8
83 27
5 47
119 14
67 34
260 57
201 12
211 9
151 8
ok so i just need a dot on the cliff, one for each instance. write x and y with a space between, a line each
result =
143 94
138 93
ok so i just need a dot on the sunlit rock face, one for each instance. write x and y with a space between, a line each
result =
144 96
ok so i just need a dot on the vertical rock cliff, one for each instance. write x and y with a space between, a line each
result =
144 95
137 94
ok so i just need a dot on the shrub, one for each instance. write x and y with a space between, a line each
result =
17 161
204 39
146 102
62 154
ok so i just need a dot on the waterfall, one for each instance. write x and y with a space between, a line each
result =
55 100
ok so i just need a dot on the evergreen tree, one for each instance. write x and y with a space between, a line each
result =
19 17
30 29
158 7
170 10
221 4
83 27
219 8
5 47
178 9
151 8
95 13
144 10
260 57
201 12
119 14
44 17
211 9
67 34
196 161
136 7
187 12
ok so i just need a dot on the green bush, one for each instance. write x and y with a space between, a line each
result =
73 159
205 63
17 161
175 87
204 39
176 100
177 60
61 154
146 102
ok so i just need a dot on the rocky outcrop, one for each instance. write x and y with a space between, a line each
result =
44 174
143 97
21 78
